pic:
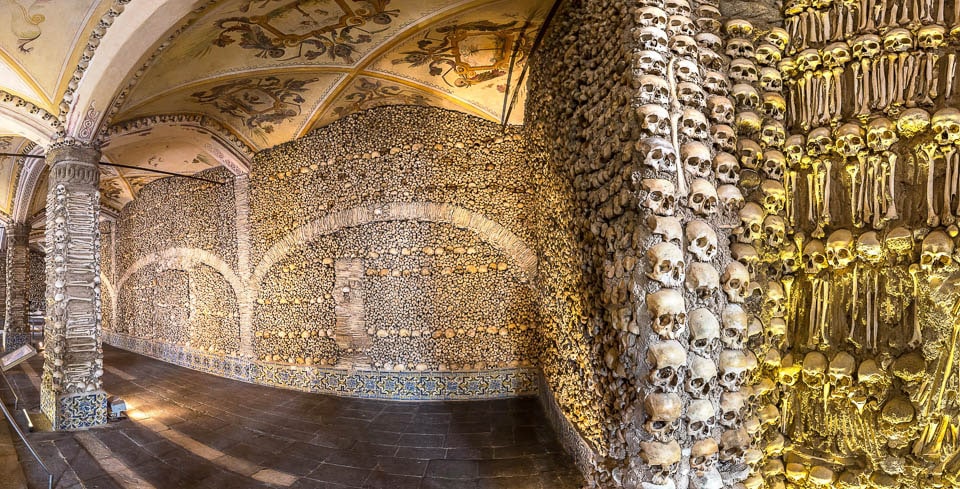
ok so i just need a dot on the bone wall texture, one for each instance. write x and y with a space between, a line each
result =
17 274
359 263
868 366
36 281
651 198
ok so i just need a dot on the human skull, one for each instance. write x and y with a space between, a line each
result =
732 408
841 371
774 106
708 19
702 379
730 196
881 134
652 39
727 168
746 96
789 262
774 164
774 196
849 139
869 248
667 227
750 153
709 40
751 223
703 456
768 54
661 458
776 303
794 149
693 125
704 331
696 159
819 142
946 126
867 46
773 135
740 48
720 109
735 322
684 47
739 28
667 360
679 25
661 196
778 37
808 60
735 282
663 414
743 70
814 369
931 36
897 40
691 95
710 60
678 7
668 312
666 264
651 17
701 240
703 279
733 372
687 71
716 82
936 251
789 372
651 63
658 154
872 376
836 55
654 120
653 90
701 418
703 199
746 254
814 257
724 138
771 80
912 122
840 252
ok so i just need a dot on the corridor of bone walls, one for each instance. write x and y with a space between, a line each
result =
403 251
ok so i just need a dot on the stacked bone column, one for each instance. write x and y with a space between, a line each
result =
871 106
683 209
71 394
18 255
758 242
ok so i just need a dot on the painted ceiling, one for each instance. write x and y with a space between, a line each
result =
268 71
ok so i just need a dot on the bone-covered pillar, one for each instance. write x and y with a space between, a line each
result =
71 394
18 255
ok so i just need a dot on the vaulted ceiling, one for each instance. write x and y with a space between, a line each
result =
187 85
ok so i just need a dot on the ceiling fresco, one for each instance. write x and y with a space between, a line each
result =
262 72
9 167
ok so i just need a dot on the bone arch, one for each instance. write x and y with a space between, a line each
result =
459 217
188 257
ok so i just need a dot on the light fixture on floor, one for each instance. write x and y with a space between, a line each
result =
117 408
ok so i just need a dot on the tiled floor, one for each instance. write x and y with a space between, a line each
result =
192 430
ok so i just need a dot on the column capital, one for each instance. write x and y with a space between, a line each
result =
74 151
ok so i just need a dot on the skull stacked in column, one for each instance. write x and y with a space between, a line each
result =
873 194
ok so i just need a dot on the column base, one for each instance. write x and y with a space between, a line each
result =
74 412
14 340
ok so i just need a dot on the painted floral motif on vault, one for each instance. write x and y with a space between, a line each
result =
467 54
370 93
305 28
260 103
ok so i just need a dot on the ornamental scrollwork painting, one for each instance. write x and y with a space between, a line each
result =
306 28
260 103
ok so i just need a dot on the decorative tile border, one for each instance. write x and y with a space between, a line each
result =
371 384
584 456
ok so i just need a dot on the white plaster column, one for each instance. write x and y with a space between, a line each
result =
71 393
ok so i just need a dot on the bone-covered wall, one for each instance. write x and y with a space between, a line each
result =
165 286
37 281
627 107
400 249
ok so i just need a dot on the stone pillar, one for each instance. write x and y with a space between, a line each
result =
241 192
18 256
71 394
